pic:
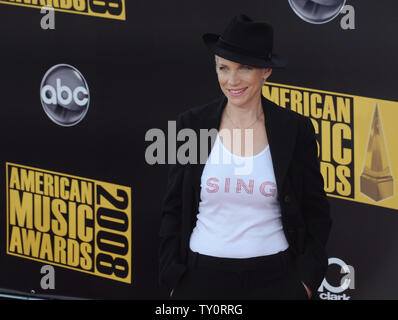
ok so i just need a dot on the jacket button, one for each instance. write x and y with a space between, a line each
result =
287 199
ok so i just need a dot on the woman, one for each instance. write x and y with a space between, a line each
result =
258 233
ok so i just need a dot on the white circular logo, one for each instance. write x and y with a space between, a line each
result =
317 11
64 95
346 281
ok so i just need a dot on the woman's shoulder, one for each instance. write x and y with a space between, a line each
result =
202 111
286 112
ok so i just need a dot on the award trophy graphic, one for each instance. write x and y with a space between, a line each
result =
376 180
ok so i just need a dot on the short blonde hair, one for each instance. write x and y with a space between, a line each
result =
216 62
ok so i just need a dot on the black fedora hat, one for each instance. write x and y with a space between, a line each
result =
247 42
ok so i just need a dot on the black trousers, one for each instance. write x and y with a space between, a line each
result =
272 277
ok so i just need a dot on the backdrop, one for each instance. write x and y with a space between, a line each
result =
76 191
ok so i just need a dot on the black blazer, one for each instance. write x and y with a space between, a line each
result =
304 206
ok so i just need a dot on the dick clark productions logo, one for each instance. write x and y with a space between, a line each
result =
64 95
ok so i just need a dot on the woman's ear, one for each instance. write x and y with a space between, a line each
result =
267 73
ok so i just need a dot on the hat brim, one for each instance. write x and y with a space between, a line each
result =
210 40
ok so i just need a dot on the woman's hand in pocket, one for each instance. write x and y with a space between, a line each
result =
309 293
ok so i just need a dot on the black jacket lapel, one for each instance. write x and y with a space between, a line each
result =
211 119
281 132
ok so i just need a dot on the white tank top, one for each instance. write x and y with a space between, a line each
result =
239 214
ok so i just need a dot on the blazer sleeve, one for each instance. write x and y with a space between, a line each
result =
170 266
313 262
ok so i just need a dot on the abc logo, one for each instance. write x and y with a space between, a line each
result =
64 95
317 11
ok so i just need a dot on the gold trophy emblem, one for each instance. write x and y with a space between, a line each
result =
376 180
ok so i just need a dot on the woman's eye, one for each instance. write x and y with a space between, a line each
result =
246 67
222 68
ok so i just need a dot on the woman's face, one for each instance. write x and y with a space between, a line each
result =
241 84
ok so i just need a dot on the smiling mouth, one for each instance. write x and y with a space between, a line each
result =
237 92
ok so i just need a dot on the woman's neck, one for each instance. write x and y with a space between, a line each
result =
244 115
